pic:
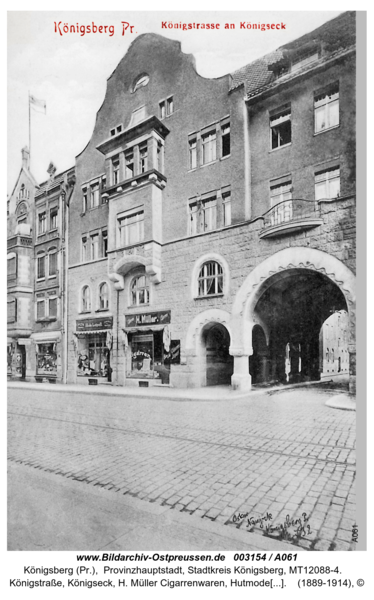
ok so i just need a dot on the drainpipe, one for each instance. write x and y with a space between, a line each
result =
67 197
247 165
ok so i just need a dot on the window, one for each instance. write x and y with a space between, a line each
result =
104 239
140 81
209 153
170 105
53 218
192 153
41 267
52 307
162 110
86 299
225 138
84 249
84 200
12 310
12 267
210 280
115 170
326 109
42 223
94 246
103 296
327 184
160 157
143 157
226 204
140 291
94 195
203 216
52 264
40 309
131 229
129 163
279 194
280 126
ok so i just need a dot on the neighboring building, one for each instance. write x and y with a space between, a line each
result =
212 226
333 349
36 275
20 278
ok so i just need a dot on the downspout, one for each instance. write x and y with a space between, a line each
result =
68 195
247 165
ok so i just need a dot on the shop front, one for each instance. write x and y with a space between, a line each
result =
93 341
148 348
47 356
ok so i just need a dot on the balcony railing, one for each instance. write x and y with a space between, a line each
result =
289 216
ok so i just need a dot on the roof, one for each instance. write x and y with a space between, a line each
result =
335 35
51 183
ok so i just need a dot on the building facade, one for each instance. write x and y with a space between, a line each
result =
212 225
37 275
206 234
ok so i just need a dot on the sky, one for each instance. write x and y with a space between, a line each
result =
69 71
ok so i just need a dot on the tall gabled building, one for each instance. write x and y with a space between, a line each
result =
212 227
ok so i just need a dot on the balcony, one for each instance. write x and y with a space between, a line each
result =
290 216
150 176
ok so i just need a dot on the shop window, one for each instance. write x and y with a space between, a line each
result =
209 147
40 261
93 356
326 109
46 359
52 264
143 157
225 139
280 128
86 299
103 296
140 291
129 163
192 148
115 170
131 229
210 281
94 195
40 309
42 223
226 205
327 184
142 355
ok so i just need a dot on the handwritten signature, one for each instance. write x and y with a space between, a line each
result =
289 529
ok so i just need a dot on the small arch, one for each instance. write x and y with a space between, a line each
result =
193 336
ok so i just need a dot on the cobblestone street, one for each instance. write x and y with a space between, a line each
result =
282 453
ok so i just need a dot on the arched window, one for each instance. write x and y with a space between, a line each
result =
86 299
210 281
141 81
140 290
103 296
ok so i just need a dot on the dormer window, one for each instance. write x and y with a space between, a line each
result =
140 81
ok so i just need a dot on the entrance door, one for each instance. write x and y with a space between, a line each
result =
219 363
20 367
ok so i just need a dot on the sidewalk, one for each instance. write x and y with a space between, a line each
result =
211 393
64 514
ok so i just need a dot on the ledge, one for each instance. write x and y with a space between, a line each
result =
289 227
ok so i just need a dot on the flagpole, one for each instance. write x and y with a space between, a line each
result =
29 133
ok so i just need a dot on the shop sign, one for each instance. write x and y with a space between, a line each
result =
155 318
173 357
103 323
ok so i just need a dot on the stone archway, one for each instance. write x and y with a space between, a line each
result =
202 347
282 265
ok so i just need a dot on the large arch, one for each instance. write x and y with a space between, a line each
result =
285 263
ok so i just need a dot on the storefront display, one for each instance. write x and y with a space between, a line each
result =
147 338
46 359
93 346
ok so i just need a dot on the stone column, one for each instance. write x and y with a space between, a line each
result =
241 379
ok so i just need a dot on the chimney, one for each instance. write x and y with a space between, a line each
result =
25 158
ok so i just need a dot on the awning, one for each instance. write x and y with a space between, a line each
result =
144 329
92 332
